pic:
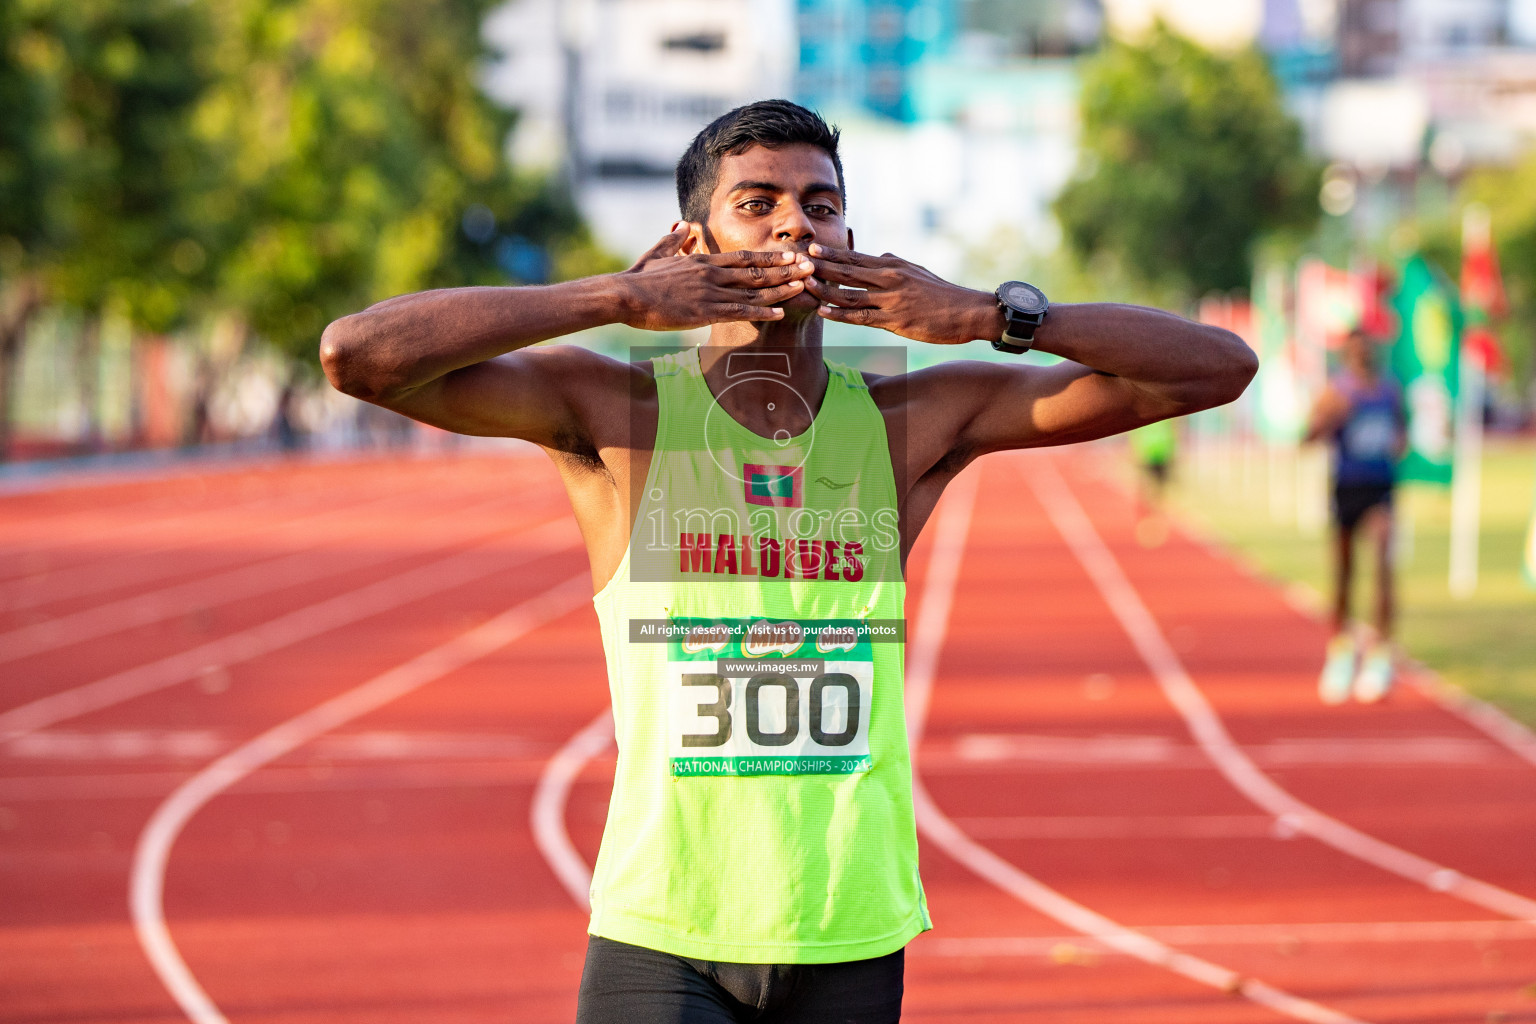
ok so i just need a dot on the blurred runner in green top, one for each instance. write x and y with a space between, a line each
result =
1153 447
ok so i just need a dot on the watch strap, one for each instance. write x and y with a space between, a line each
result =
1018 328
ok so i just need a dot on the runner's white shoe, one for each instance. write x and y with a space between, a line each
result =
1375 678
1333 686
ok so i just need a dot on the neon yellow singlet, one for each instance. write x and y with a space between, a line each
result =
762 808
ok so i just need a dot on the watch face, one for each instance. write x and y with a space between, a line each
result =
1024 297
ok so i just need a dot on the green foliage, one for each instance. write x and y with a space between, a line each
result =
98 159
282 161
355 140
28 87
1187 159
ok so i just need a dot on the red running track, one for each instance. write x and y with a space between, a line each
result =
385 869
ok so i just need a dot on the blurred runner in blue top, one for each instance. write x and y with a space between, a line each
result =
1361 413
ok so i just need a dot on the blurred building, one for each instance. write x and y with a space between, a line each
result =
612 91
1222 24
959 116
959 133
1432 28
858 55
1445 85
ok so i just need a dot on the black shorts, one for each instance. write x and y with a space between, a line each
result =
1352 501
624 984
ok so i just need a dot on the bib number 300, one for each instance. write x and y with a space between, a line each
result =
841 683
771 724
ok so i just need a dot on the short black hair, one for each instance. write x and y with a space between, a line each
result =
770 123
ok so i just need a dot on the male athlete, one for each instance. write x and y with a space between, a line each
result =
748 507
1361 413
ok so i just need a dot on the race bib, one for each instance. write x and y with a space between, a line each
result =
769 696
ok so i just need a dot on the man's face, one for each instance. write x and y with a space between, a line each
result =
774 200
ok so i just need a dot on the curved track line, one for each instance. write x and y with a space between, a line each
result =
549 798
147 881
283 631
1064 511
927 640
1487 718
113 571
93 574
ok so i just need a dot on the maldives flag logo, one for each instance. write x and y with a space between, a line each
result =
778 486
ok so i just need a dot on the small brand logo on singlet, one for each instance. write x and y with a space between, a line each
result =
775 486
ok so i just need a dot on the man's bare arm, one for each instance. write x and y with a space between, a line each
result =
1128 365
1328 413
443 356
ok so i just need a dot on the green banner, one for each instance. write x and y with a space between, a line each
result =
1278 415
1425 359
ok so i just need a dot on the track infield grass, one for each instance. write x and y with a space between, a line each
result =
1247 499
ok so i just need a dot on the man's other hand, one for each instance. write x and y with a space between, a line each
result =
667 290
901 297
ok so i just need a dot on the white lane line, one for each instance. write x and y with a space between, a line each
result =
308 778
1309 604
301 624
144 565
108 525
155 504
1288 937
116 745
549 799
251 580
1482 715
1163 750
1189 826
1211 734
93 577
927 640
147 881
202 744
114 568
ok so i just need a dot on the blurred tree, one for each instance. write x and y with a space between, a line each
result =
262 166
27 167
99 163
1187 158
362 161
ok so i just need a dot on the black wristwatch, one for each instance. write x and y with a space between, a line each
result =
1025 307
